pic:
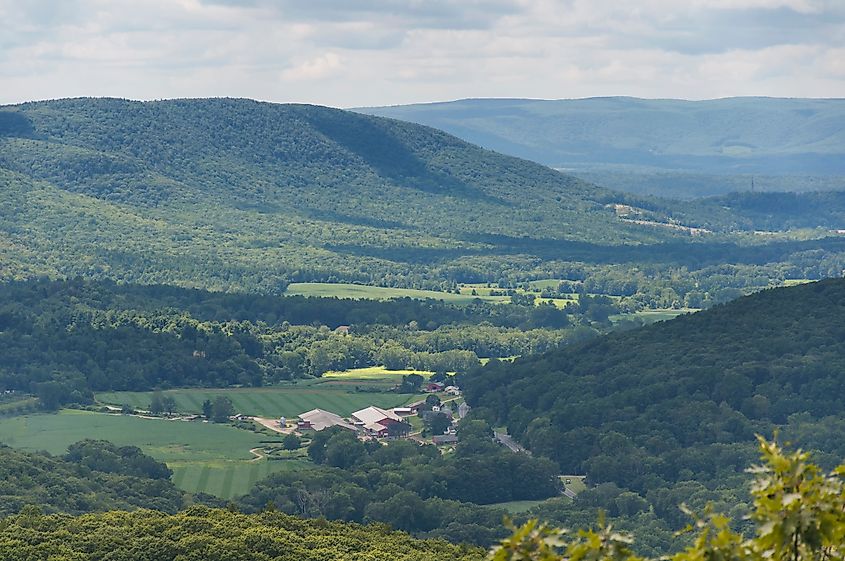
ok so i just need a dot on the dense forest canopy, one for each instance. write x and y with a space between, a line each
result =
670 409
411 487
212 535
94 476
798 514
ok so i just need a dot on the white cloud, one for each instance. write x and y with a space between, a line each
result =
371 52
314 69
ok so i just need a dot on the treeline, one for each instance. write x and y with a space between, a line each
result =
94 476
213 535
411 487
64 340
667 411
44 294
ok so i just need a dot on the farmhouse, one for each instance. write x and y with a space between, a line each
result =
453 390
376 429
375 420
373 414
432 387
318 419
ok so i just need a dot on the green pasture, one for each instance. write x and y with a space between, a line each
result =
204 457
287 401
518 507
542 284
652 316
227 479
364 292
484 292
373 373
796 282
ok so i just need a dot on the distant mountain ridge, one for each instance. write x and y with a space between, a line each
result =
729 136
213 191
234 194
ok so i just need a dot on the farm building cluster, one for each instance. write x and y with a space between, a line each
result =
375 422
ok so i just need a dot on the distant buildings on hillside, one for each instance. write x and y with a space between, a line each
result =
375 422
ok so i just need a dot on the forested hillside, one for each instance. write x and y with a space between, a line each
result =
670 410
214 535
784 211
237 195
93 476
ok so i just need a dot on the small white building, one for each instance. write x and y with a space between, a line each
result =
453 390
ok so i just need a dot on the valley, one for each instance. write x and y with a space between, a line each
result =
348 318
662 147
499 280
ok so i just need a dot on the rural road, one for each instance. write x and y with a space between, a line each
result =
508 441
258 453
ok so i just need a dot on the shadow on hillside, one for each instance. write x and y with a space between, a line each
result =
690 254
388 155
14 124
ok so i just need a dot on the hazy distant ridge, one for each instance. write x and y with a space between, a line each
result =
740 135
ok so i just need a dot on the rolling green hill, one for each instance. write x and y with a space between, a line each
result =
237 195
230 193
659 146
673 407
745 366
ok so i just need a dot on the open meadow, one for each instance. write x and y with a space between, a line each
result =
372 373
652 316
204 457
361 292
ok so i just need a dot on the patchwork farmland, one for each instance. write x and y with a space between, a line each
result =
204 457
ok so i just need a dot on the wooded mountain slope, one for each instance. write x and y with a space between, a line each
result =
228 192
667 414
238 195
668 402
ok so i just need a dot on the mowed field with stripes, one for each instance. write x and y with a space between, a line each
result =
288 401
204 457
218 459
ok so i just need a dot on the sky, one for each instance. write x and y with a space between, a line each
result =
348 53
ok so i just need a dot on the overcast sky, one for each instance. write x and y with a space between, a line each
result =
367 52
